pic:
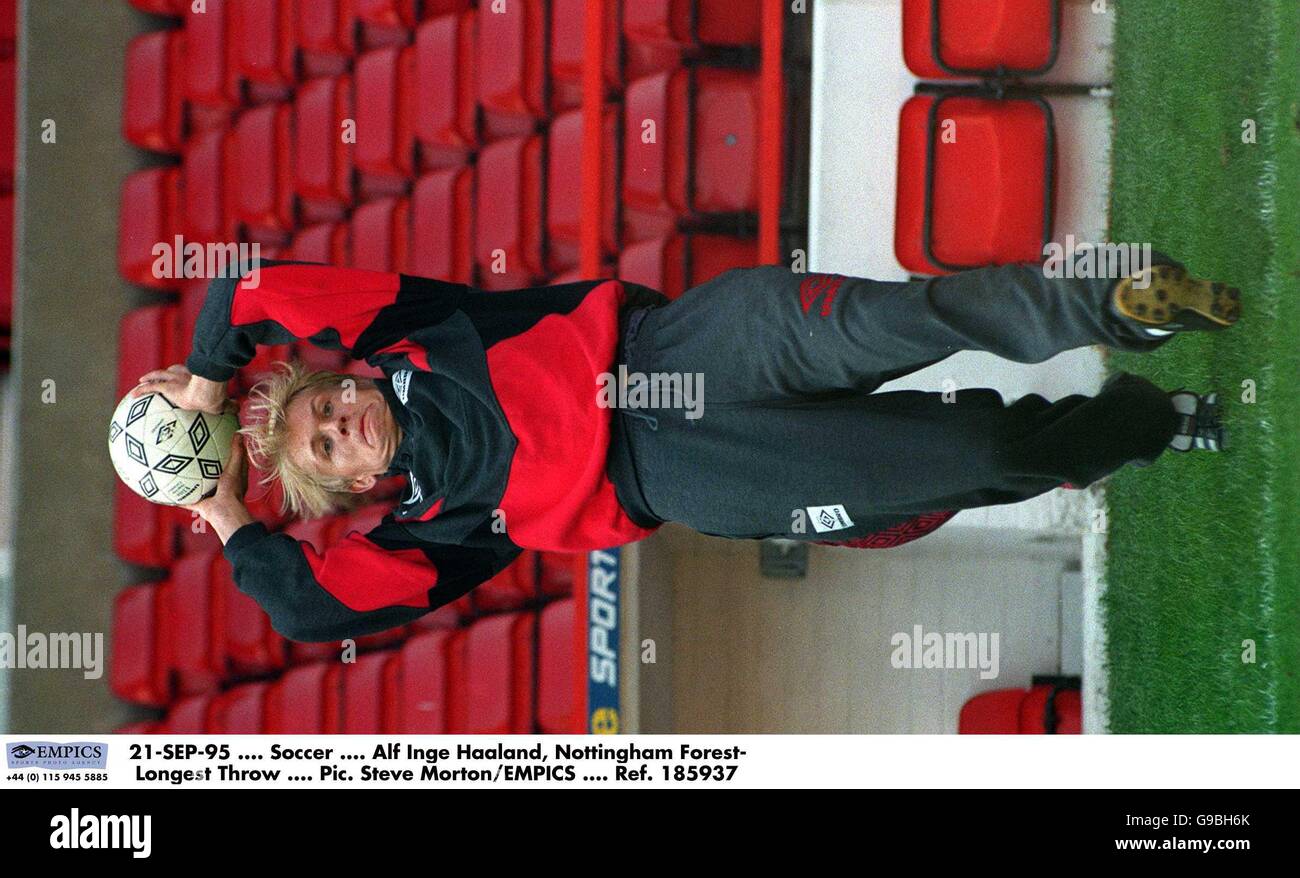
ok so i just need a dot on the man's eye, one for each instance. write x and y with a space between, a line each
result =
328 446
329 409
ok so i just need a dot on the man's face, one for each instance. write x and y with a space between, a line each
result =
343 431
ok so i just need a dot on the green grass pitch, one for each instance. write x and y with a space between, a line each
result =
1204 550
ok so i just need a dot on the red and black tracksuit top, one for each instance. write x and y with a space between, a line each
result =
504 446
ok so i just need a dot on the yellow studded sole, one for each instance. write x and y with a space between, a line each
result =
1170 292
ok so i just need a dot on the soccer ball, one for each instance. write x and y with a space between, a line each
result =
167 454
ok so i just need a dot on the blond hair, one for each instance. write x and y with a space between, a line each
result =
305 494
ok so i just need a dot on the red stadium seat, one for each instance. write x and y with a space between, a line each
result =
418 684
8 124
496 675
385 145
208 191
381 232
568 22
6 262
239 711
266 45
1044 708
159 7
444 109
691 23
148 216
211 78
716 148
327 36
676 263
327 243
560 571
305 701
510 589
442 225
153 107
511 66
508 213
990 201
196 624
564 187
444 618
989 39
323 168
189 716
560 676
363 694
263 156
139 671
252 646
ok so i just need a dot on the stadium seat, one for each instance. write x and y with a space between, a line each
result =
568 22
511 67
326 35
675 263
327 243
6 263
239 711
263 155
496 675
208 190
559 572
444 618
560 671
153 107
138 672
196 624
691 23
211 78
305 700
188 716
442 225
1044 708
148 215
8 125
381 232
385 146
363 694
510 589
419 687
143 532
508 213
444 109
703 155
983 196
160 7
252 646
266 46
991 39
323 168
148 339
564 187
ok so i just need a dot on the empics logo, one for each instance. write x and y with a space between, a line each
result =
55 756
77 831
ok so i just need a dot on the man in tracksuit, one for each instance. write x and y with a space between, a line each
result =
493 407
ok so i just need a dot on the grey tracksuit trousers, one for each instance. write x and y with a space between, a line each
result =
791 440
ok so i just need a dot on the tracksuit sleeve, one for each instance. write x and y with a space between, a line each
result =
361 585
344 309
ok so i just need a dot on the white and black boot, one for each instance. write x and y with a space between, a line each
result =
1200 426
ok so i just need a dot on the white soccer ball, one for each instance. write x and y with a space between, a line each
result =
166 454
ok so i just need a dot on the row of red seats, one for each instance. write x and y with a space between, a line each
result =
196 632
8 139
511 673
976 164
687 152
239 52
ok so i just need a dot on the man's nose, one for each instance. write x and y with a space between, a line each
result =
340 425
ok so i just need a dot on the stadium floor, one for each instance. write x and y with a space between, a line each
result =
1204 552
